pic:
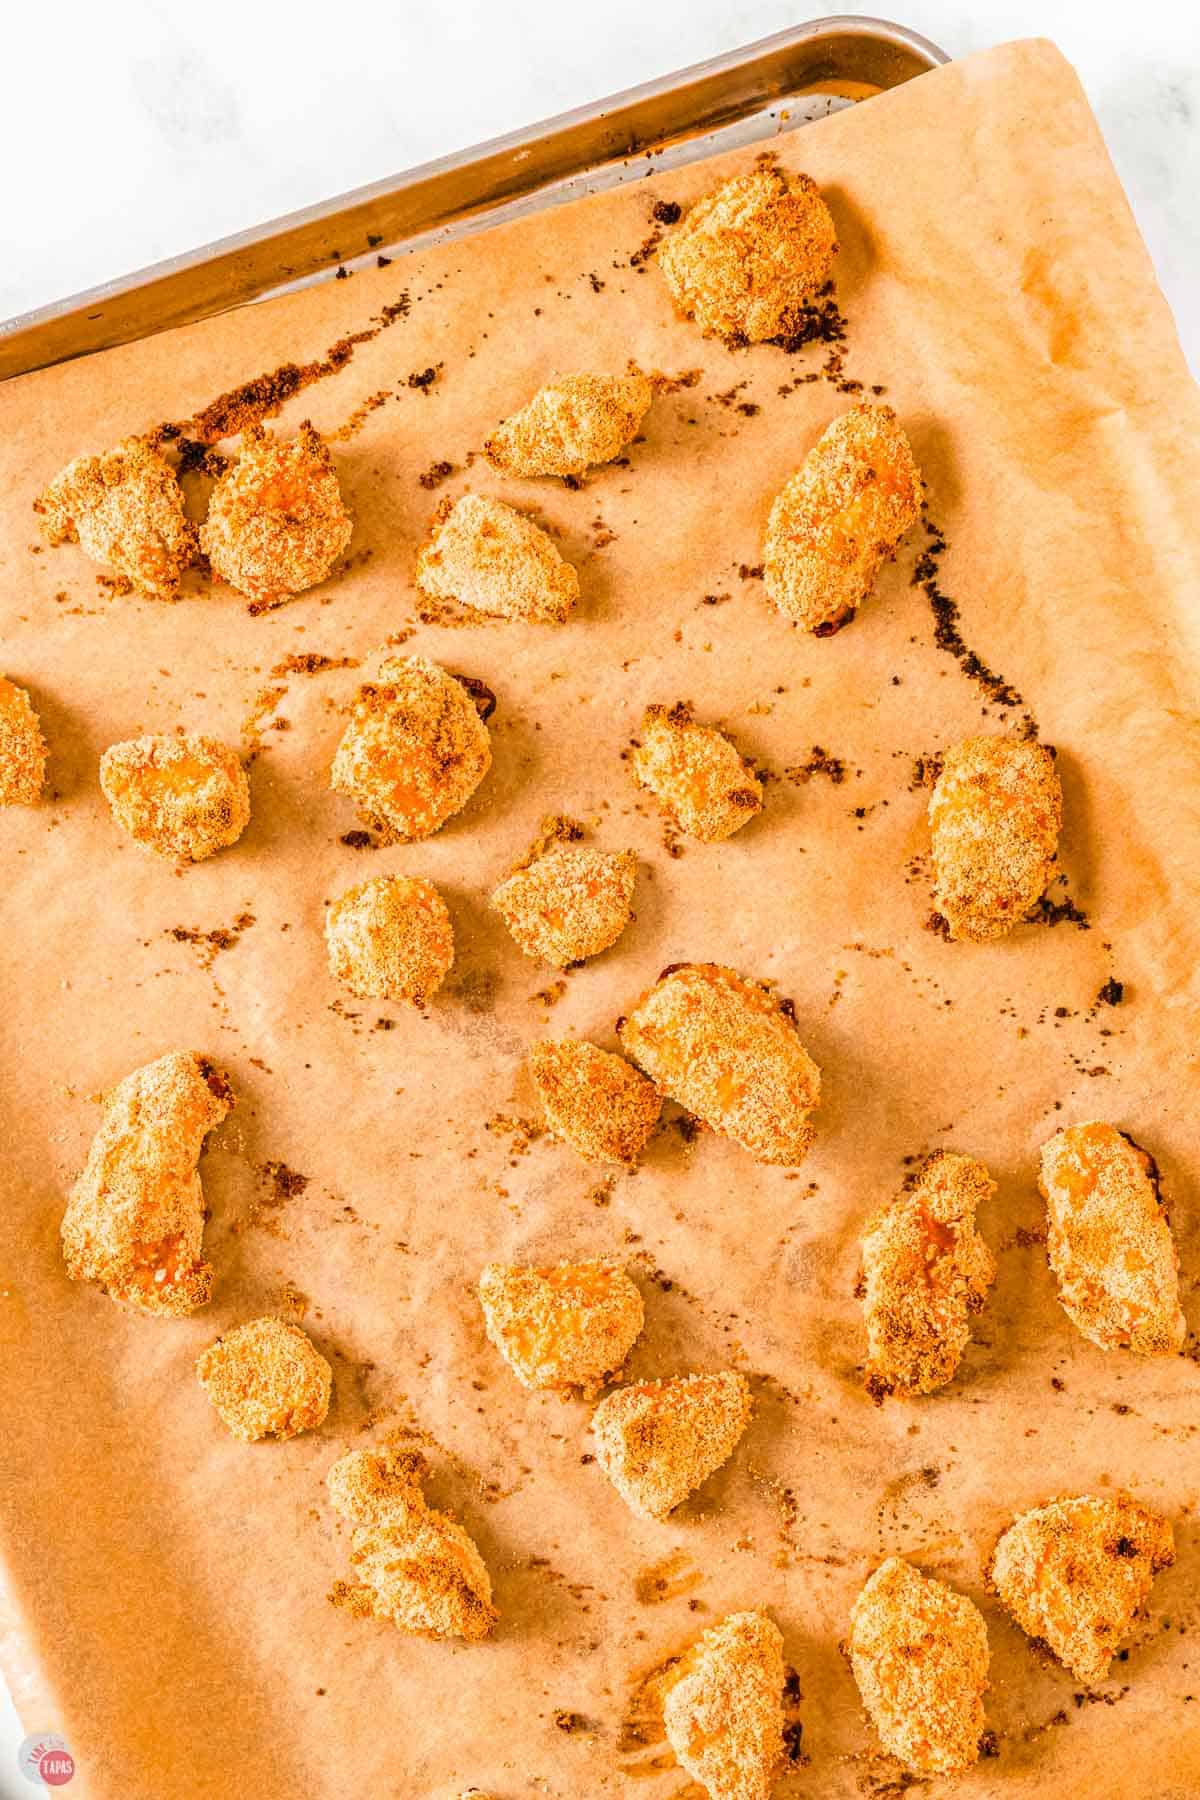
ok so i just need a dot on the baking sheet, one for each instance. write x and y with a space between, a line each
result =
170 1583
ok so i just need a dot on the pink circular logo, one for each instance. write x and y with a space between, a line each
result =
45 1760
56 1767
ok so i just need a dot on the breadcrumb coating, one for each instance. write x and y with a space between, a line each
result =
919 1652
695 773
749 256
723 1709
414 751
569 1327
185 797
266 1379
414 1566
569 903
485 555
925 1270
1074 1574
1109 1241
593 1100
994 816
134 1223
658 1440
728 1050
23 749
840 517
390 938
572 423
276 520
125 509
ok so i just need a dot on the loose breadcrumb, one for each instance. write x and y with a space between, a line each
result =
569 903
750 256
266 1379
1109 1241
925 1270
184 797
1075 1574
567 1327
134 1223
484 555
695 773
728 1050
994 816
414 751
276 521
390 938
839 518
23 749
658 1440
919 1652
572 423
414 1566
723 1709
125 509
593 1100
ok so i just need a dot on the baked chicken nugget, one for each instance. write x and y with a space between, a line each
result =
695 773
751 256
1109 1241
1075 1574
23 750
723 1707
840 518
919 1653
484 555
570 424
594 1101
183 797
567 1327
413 1565
276 520
994 816
658 1440
134 1223
124 509
925 1270
266 1379
569 903
390 938
728 1051
414 751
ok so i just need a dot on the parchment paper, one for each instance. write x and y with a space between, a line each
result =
171 1584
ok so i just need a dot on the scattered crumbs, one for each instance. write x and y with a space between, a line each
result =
210 943
750 571
550 996
311 662
358 840
423 379
569 1721
820 762
666 212
926 771
1112 993
1058 912
947 634
435 474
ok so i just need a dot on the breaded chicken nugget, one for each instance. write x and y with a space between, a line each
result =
658 1440
125 509
266 1379
569 903
23 749
919 1652
925 1270
1109 1242
415 1566
276 521
184 797
390 938
1074 1574
695 773
839 518
570 424
723 1707
134 1223
414 751
994 816
484 555
567 1327
750 256
593 1100
728 1051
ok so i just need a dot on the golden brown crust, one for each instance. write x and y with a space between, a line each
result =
695 773
919 1652
134 1223
125 509
276 521
266 1379
994 816
1074 1574
723 1707
390 938
749 256
23 749
569 903
572 423
658 1440
840 517
1109 1241
487 556
184 797
593 1100
567 1328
